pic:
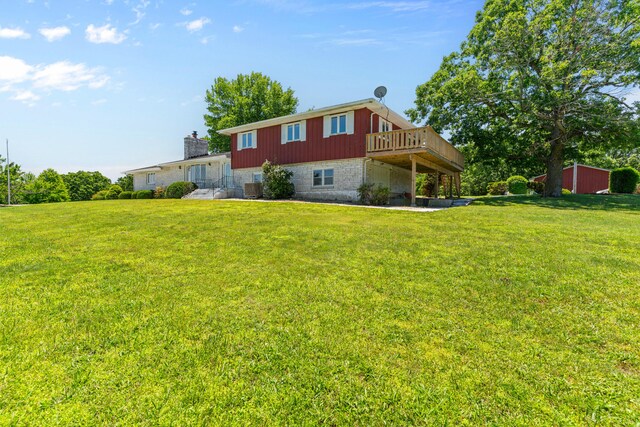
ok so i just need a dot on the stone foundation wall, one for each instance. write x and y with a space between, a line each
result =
347 177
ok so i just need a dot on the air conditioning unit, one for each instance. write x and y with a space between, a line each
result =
253 190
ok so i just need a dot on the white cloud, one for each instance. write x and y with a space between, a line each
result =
104 34
206 40
238 29
56 33
99 101
13 33
25 96
27 83
66 76
139 10
197 25
13 69
155 26
186 12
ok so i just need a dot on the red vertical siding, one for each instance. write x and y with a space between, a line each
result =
589 179
315 148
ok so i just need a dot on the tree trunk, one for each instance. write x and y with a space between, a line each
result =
553 184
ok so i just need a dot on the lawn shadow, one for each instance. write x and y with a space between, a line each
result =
612 202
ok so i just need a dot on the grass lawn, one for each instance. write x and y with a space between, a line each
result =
512 311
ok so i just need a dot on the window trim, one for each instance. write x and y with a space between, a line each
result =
149 181
323 178
337 117
253 177
254 140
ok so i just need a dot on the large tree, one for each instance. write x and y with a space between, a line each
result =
47 188
82 185
245 99
539 81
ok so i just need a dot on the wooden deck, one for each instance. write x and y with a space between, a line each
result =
424 143
420 150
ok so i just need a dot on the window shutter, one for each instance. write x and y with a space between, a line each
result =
303 130
326 128
350 124
255 138
239 141
283 134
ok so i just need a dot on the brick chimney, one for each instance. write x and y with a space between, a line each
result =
195 147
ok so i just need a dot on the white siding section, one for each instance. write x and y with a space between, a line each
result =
350 122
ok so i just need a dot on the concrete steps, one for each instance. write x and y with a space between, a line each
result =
201 194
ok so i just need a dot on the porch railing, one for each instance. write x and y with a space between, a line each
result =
417 138
224 182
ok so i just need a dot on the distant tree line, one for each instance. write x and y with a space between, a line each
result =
51 187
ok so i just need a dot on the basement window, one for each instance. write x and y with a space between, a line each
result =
322 177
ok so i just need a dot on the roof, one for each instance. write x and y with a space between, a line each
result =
191 161
571 167
369 103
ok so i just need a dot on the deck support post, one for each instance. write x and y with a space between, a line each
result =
437 184
450 179
413 181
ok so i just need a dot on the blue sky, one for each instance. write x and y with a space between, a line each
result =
116 84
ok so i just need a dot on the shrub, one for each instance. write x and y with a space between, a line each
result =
623 180
276 182
158 193
517 184
365 192
124 195
536 186
100 195
179 189
497 188
115 188
368 194
380 196
566 192
145 194
111 195
134 194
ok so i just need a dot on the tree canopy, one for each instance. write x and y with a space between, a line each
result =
537 82
245 99
82 185
48 187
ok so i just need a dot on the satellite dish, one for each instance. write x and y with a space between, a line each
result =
380 92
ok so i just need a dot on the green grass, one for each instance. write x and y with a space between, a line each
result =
513 311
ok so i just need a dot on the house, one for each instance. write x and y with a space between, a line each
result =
582 179
331 152
198 166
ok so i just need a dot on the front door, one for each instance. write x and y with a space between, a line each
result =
198 175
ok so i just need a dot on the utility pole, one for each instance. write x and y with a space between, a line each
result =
8 176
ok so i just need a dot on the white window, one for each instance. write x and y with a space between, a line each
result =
294 132
151 178
338 124
322 177
384 125
247 140
257 177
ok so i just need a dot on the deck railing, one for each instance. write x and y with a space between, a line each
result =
417 138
